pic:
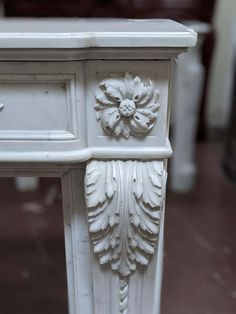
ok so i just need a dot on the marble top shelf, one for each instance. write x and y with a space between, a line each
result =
86 33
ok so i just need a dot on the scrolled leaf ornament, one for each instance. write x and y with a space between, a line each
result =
127 105
124 205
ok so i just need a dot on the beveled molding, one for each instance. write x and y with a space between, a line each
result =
85 154
61 54
124 202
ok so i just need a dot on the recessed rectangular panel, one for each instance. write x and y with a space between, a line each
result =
25 106
35 107
42 109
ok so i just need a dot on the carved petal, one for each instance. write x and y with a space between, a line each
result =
109 118
113 93
124 201
102 100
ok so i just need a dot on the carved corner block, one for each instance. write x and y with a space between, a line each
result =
124 203
127 104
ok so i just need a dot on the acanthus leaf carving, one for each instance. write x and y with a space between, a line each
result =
127 105
124 201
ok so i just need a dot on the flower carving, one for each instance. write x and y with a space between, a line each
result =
127 105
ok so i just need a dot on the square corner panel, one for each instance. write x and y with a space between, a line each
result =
127 103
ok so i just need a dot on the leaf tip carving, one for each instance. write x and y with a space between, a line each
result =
124 211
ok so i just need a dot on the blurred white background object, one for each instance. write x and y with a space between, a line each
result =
26 184
221 76
188 87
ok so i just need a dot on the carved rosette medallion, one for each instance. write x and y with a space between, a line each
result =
127 105
124 202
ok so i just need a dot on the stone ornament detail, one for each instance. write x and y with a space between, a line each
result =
124 201
127 105
1 106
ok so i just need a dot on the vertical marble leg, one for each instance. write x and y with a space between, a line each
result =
78 262
125 201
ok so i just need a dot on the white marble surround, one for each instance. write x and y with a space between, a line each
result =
89 101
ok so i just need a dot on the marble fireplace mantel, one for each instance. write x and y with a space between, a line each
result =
89 101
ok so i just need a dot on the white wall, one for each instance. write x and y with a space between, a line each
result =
219 93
